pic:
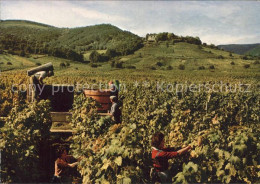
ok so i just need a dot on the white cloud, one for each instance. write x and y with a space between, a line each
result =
214 22
95 15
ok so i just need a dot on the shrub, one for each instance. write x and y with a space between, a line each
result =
76 68
119 64
169 67
212 67
220 57
22 53
93 65
246 65
10 51
245 57
152 68
62 65
131 67
159 63
9 63
111 53
232 63
181 67
201 68
112 64
95 57
1 63
230 54
37 64
256 62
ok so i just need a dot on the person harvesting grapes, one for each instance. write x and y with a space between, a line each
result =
37 81
62 164
115 111
161 155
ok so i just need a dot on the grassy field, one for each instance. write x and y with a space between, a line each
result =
155 61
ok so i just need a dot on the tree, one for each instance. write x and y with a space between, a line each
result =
246 65
212 67
22 53
95 57
62 65
111 53
162 37
181 67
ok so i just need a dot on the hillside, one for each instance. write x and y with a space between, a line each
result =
164 60
22 37
255 51
251 49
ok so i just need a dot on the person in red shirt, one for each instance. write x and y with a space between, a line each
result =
161 155
62 164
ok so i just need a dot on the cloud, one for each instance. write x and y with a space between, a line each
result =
99 16
213 21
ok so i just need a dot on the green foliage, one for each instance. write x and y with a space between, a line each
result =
131 67
62 65
220 57
94 57
165 36
181 67
169 67
93 65
162 37
118 153
122 152
248 49
159 63
212 67
201 68
22 137
28 37
111 53
117 64
152 68
245 57
246 65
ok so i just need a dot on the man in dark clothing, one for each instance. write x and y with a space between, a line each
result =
115 111
161 155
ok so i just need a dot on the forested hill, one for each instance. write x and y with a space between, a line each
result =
24 37
243 49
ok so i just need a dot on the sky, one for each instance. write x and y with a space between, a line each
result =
216 22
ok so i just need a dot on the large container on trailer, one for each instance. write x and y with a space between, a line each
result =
61 97
101 96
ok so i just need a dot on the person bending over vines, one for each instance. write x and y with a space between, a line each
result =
160 157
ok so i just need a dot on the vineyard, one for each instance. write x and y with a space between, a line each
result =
226 122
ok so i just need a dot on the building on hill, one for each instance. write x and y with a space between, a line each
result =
151 37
